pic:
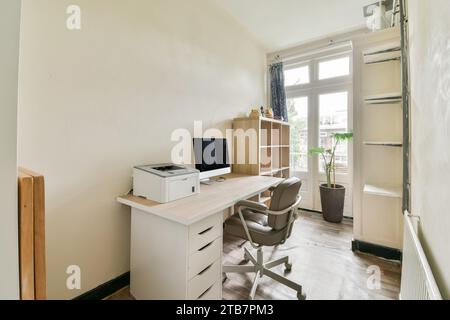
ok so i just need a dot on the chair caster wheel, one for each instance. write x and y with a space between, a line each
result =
301 296
288 267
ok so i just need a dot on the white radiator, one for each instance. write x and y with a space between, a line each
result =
418 282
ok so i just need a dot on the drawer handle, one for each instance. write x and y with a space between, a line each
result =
205 231
204 293
206 269
205 247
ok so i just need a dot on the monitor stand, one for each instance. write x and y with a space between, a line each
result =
207 182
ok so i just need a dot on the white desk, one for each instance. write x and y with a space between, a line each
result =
176 248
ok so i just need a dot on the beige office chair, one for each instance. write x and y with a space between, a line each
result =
264 226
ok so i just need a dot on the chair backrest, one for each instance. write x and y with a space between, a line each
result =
284 196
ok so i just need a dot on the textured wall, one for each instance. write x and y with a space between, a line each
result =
430 72
9 63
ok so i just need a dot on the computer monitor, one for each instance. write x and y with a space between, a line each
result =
211 158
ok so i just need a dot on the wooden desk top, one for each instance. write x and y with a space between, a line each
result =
211 199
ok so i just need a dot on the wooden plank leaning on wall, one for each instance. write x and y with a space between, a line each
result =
26 237
32 235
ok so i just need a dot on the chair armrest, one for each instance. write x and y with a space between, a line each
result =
256 206
252 205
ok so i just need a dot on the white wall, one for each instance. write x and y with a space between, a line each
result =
95 102
287 23
430 72
9 56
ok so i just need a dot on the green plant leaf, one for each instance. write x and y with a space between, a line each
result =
343 136
315 151
329 155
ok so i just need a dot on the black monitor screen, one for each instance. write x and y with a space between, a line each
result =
211 154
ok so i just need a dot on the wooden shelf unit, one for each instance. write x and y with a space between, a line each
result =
272 148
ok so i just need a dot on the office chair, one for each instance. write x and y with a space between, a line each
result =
263 226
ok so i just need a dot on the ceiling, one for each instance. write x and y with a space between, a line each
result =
280 24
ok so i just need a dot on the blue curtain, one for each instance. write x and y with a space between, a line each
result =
278 92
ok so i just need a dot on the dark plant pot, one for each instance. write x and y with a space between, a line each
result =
332 200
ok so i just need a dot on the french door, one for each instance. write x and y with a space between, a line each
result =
319 99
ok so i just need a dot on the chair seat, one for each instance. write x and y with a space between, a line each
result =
257 224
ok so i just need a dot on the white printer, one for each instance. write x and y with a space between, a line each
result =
165 182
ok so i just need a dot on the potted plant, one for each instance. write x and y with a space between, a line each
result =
332 195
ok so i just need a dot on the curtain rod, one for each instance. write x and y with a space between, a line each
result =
330 46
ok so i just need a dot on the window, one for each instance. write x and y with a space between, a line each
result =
333 118
296 76
298 117
319 98
334 68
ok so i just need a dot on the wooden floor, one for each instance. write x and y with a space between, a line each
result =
323 264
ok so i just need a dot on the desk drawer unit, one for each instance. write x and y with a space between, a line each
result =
204 257
204 232
174 261
204 281
213 293
205 252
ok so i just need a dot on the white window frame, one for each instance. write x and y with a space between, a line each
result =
312 90
315 87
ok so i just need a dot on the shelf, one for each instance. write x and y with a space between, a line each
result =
264 120
390 47
389 192
384 144
388 98
273 146
277 146
275 121
383 60
384 101
389 52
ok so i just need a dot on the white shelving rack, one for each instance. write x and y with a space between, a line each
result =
379 146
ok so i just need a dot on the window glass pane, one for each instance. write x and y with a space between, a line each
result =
334 68
298 117
334 119
297 76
